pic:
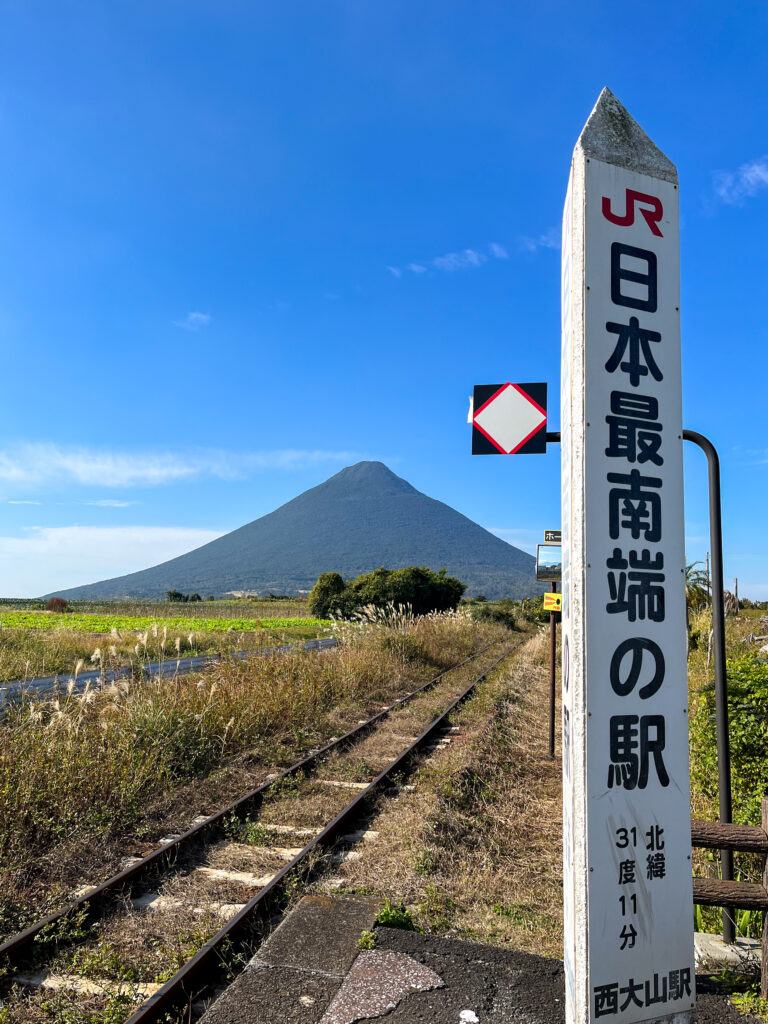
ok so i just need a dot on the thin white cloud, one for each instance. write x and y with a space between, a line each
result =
47 463
460 260
55 558
112 503
23 502
549 240
451 261
194 321
734 187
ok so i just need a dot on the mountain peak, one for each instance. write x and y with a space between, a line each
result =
367 476
362 518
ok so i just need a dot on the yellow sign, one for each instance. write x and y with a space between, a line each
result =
553 602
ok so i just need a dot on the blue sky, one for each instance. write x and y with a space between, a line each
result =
247 244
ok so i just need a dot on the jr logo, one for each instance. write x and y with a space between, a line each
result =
651 216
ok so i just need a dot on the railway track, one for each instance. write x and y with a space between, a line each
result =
229 866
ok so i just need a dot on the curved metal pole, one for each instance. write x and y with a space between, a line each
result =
718 637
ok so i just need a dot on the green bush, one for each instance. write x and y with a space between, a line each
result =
419 588
748 714
533 609
501 612
176 597
326 594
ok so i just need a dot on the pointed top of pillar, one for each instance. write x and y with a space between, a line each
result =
612 135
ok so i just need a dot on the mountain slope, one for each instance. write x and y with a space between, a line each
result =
361 518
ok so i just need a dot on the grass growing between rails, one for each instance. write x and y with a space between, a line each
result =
78 772
476 850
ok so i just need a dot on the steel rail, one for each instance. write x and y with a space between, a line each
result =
179 988
13 948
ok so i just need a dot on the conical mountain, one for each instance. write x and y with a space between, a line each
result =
361 518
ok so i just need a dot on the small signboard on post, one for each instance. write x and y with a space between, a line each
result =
628 922
553 602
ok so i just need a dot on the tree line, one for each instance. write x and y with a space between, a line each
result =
418 588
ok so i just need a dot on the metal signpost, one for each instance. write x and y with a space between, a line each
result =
549 567
626 801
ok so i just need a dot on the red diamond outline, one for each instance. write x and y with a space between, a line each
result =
493 398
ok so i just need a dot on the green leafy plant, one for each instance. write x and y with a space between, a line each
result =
437 908
502 612
250 833
72 927
367 940
395 915
748 713
425 863
697 587
750 1003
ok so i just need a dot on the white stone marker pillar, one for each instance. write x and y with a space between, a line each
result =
628 910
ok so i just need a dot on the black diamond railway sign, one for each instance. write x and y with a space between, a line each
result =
509 419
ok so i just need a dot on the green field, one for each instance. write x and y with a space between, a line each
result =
122 623
252 608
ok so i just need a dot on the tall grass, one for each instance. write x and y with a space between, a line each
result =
31 653
88 766
746 667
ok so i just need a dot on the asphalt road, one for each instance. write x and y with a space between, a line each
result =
46 685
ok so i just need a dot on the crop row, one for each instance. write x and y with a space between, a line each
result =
106 623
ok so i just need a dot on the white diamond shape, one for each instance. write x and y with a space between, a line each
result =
510 418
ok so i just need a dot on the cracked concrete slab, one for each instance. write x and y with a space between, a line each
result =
299 968
297 975
273 995
501 985
378 982
320 935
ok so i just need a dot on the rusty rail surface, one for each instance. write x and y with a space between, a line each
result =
181 989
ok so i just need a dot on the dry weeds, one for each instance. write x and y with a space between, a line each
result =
476 851
142 760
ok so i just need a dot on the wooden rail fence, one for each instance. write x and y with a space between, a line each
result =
714 892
